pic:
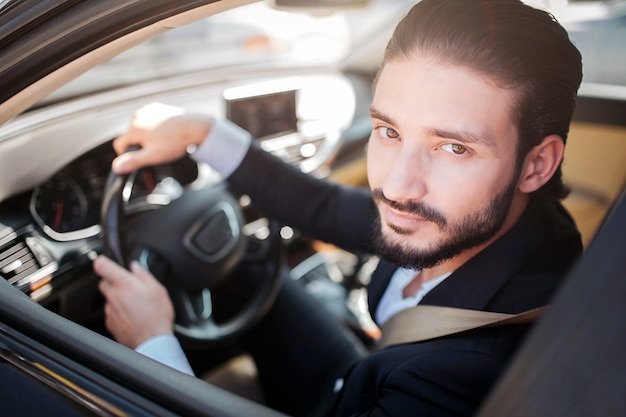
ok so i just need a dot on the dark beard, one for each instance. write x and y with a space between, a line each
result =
473 230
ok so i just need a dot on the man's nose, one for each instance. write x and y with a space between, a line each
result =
406 178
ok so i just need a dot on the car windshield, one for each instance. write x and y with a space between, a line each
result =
260 36
252 35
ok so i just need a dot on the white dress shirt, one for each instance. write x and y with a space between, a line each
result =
394 301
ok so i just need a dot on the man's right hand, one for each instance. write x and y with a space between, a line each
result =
163 133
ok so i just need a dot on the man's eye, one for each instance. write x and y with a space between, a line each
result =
388 132
455 148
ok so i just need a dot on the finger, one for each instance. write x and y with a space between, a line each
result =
133 139
123 141
141 273
110 271
108 291
109 312
135 159
130 161
103 287
152 152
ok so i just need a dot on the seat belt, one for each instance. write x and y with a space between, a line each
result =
424 322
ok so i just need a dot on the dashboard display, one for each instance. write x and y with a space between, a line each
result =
61 203
265 115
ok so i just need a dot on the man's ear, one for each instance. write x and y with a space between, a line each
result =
541 163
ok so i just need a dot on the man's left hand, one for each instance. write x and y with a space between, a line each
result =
137 306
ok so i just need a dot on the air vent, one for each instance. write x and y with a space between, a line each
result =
22 259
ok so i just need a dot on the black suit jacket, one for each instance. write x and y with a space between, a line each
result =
449 376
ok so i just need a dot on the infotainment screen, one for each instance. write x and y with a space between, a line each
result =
265 115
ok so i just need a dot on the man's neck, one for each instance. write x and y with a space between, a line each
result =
431 273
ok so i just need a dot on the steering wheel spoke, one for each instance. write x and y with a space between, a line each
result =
192 306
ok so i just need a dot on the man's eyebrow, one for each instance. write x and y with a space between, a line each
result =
377 114
462 136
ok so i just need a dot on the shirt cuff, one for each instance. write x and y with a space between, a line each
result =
166 349
224 147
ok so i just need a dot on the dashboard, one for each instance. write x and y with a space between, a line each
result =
56 224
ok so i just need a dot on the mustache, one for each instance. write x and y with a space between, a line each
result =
416 208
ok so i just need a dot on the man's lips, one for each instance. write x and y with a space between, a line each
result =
400 218
407 213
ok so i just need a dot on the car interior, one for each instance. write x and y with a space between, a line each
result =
311 111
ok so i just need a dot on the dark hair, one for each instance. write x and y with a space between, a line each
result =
514 45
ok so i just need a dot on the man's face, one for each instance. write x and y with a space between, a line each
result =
441 161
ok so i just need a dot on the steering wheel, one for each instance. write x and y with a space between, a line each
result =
195 245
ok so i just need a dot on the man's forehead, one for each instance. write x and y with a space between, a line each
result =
452 98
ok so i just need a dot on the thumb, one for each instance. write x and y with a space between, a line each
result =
131 161
141 272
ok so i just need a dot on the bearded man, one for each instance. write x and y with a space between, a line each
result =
470 117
